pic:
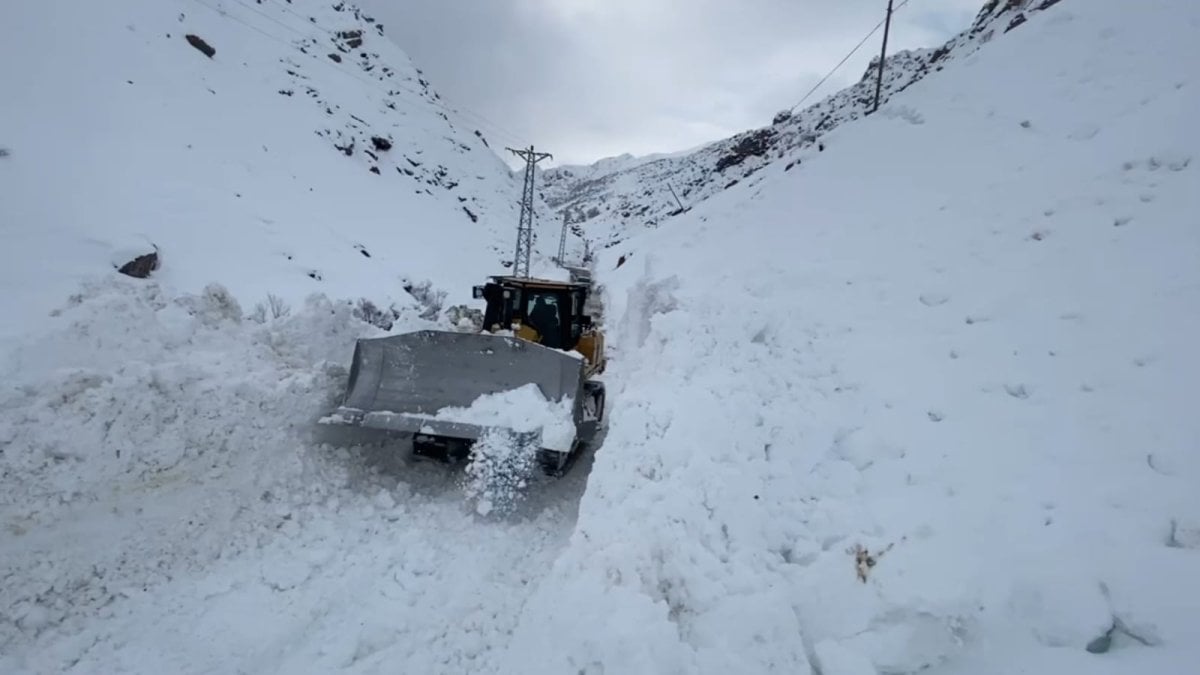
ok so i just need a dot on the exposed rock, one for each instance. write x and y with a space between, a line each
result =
429 298
381 144
753 144
337 58
199 43
141 266
465 318
366 311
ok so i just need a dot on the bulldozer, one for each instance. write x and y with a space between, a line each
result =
535 331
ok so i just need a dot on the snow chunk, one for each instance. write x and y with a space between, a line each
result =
501 465
835 659
518 423
523 410
1061 609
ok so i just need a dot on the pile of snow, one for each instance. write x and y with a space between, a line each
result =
518 423
136 396
924 403
501 467
165 489
524 410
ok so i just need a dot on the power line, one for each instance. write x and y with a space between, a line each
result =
268 17
846 57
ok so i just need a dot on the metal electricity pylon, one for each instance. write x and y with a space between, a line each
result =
562 239
525 227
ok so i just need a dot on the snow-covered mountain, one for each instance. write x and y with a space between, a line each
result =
305 153
923 404
615 198
920 403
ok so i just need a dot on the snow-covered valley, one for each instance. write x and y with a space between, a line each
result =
916 400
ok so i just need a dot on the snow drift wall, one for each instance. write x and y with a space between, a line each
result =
138 393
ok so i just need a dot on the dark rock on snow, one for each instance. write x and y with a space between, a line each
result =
141 266
199 43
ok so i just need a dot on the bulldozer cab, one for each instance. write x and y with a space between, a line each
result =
550 313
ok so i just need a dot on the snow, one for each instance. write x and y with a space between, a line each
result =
617 197
231 166
965 331
166 489
524 409
164 486
920 403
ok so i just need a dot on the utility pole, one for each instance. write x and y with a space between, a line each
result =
525 227
562 240
672 189
882 54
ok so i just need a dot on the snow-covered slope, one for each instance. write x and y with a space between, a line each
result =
618 197
964 338
255 167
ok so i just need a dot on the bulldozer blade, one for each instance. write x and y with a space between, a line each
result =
400 382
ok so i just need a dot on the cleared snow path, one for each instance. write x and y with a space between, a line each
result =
168 509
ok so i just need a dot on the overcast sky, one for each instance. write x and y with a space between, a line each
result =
586 79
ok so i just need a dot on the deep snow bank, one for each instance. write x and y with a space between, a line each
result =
962 339
165 489
114 419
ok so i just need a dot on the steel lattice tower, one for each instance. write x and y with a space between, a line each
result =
562 239
525 227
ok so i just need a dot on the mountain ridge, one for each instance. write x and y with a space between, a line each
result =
609 204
